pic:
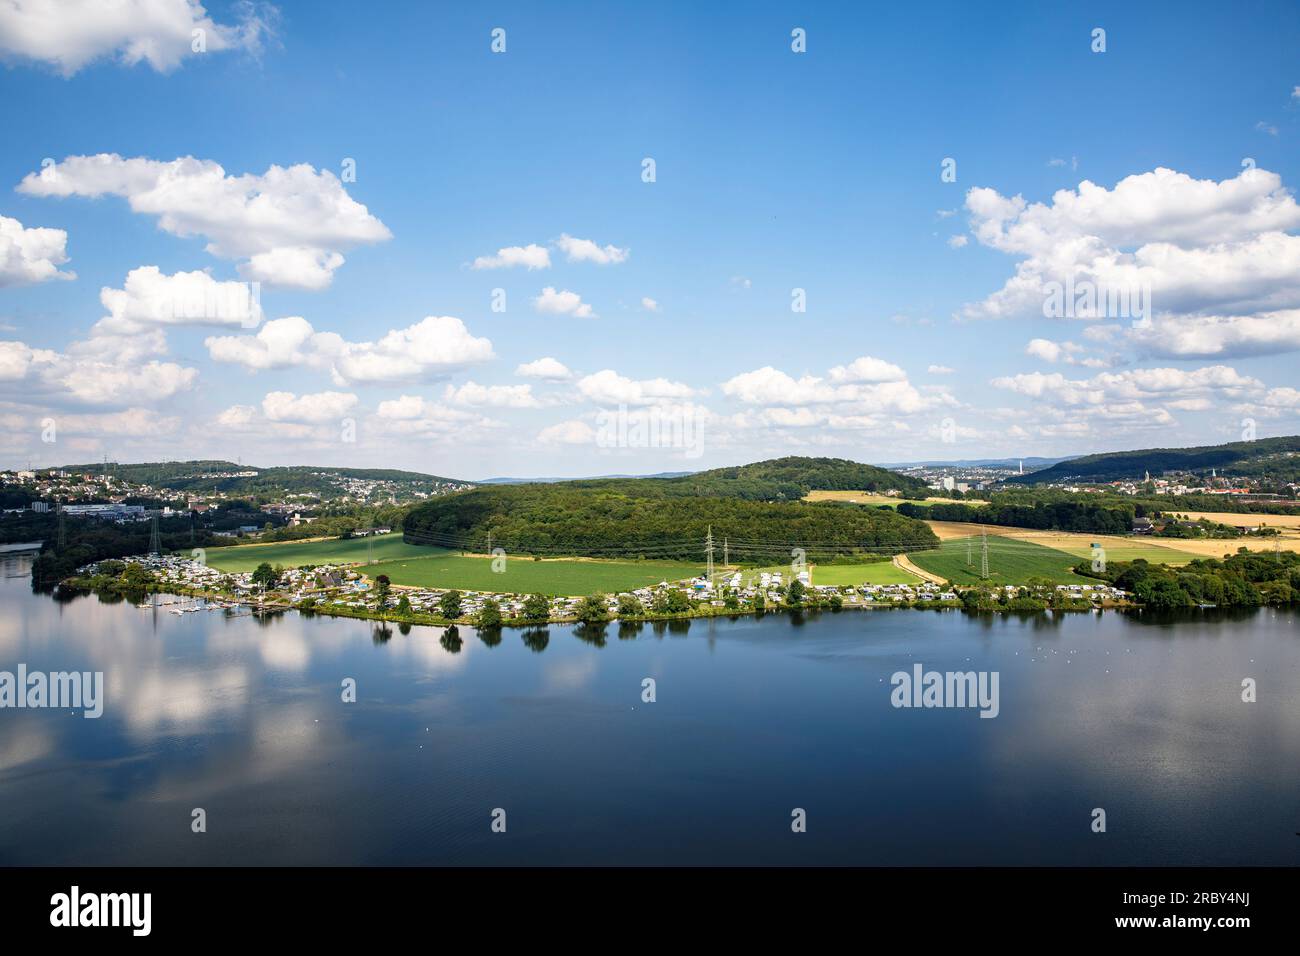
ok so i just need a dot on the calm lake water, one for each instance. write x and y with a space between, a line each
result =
243 717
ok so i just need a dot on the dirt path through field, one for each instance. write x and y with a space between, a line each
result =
904 562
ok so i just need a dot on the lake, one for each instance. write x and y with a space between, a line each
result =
243 717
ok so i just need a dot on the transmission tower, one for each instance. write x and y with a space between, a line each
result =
726 562
970 553
984 554
708 553
155 539
63 530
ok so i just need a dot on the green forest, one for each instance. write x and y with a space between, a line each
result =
1060 515
1245 579
754 509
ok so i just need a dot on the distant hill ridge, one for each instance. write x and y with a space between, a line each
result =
232 477
1028 462
1274 457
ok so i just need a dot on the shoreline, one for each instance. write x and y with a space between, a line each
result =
433 620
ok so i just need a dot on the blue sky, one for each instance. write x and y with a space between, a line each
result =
774 171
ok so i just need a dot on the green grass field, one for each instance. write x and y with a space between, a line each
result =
524 575
841 575
1010 562
293 554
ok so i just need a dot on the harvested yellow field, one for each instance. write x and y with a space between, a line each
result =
1217 548
872 498
857 497
1235 519
1161 550
961 529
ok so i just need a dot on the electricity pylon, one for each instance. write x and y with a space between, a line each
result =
708 554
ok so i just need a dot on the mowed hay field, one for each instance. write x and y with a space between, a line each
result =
293 554
1010 561
872 498
567 577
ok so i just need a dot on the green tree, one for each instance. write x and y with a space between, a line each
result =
671 601
593 609
449 605
136 576
489 616
537 609
265 576
794 594
629 605
404 606
382 588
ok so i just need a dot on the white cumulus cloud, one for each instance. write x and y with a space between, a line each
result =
547 369
31 255
69 34
531 256
563 303
287 226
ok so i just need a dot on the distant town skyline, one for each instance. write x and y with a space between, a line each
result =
576 240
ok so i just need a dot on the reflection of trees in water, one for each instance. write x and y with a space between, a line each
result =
1164 617
381 634
591 632
629 630
266 617
450 640
1043 620
1037 620
404 628
62 594
677 627
491 636
536 638
111 597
